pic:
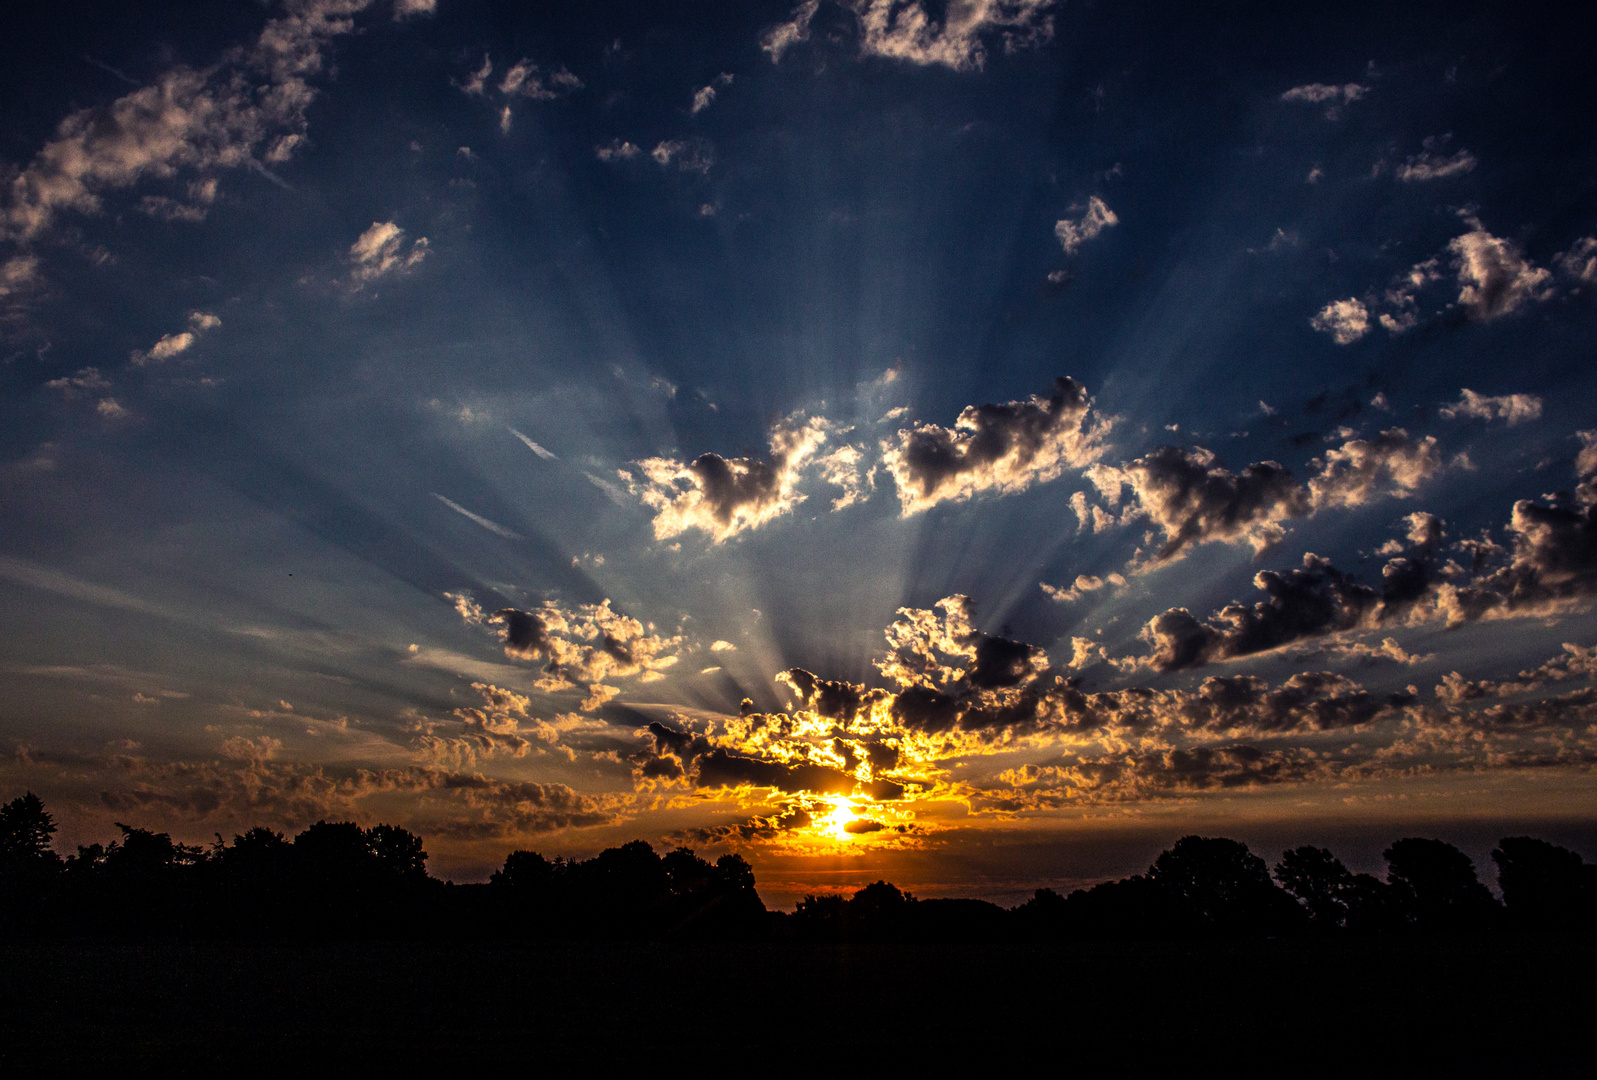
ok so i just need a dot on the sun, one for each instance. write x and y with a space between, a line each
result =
835 824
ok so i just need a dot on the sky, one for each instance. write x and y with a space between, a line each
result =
970 444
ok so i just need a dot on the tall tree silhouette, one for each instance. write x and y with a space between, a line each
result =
25 832
1220 886
1437 887
1545 887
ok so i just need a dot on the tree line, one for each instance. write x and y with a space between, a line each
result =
337 879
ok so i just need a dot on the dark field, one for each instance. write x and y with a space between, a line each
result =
1505 1007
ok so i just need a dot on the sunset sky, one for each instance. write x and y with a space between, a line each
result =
971 444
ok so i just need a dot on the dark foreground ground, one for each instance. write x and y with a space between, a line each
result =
1290 1008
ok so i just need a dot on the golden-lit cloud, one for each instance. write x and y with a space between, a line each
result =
999 449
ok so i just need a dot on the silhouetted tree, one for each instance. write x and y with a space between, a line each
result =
819 918
1220 886
1373 906
879 912
1334 897
734 873
1545 887
397 853
1043 916
333 854
1436 885
524 870
25 832
28 866
686 873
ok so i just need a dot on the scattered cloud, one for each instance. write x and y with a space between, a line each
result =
1434 164
579 647
616 150
783 36
380 250
689 155
704 97
1193 499
248 110
1361 470
1002 449
1513 408
1345 320
86 380
1093 220
175 344
1084 584
905 31
723 497
1493 276
1331 96
1579 262
1495 279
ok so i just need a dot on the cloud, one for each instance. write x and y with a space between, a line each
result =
1577 662
1084 584
19 274
1093 220
1551 563
900 30
1315 93
689 155
1312 601
1493 276
1362 470
87 379
478 83
616 150
1193 499
582 646
1152 774
1514 408
783 36
201 194
381 250
1004 448
1345 320
175 344
525 80
705 95
495 728
727 496
248 109
935 652
404 9
1432 164
248 782
1579 262
1495 279
1333 97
